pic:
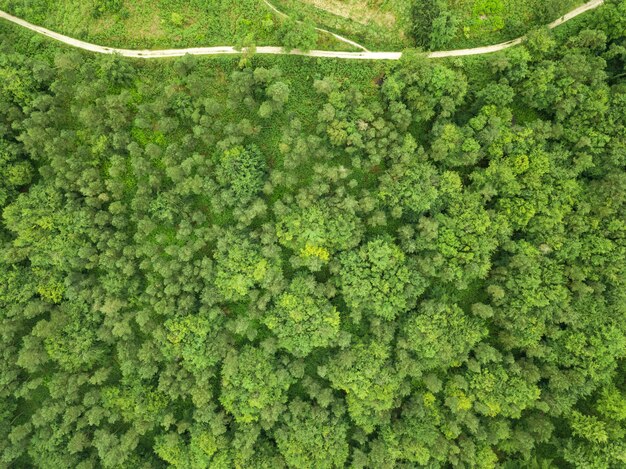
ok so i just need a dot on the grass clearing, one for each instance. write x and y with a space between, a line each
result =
377 24
360 11
160 24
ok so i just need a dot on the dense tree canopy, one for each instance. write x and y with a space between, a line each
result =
377 280
303 318
397 265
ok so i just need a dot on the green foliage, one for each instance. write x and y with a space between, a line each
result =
241 170
302 319
440 335
372 385
297 35
259 85
378 280
106 7
598 436
254 386
317 233
239 267
312 437
410 185
143 24
314 263
434 24
428 88
455 25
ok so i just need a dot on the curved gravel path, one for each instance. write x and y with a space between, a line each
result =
222 50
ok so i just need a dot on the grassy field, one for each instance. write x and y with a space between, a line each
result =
391 24
376 24
159 23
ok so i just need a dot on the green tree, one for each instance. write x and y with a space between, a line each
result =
302 318
410 185
241 170
598 437
312 437
300 35
429 89
439 335
372 385
316 233
254 386
239 267
378 279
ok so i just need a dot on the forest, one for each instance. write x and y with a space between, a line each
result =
289 262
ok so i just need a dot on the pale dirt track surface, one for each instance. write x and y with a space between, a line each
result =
226 50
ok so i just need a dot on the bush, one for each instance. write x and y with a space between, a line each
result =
434 25
298 35
107 6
